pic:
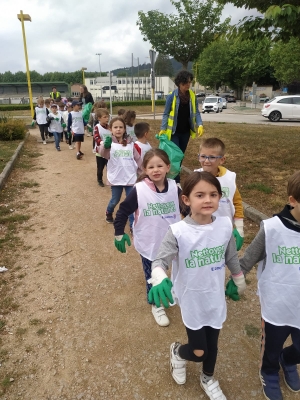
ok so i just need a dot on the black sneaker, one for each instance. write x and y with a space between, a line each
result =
81 153
290 375
79 156
100 183
109 218
58 148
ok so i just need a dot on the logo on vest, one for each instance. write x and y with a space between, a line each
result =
225 191
122 153
200 258
159 209
287 255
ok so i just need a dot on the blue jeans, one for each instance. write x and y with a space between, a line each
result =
116 193
57 137
181 140
147 271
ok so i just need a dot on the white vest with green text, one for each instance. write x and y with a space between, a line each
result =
198 272
121 167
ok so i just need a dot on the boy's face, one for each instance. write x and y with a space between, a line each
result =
76 107
212 163
296 208
54 110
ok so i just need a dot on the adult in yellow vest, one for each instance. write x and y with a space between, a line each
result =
55 95
181 118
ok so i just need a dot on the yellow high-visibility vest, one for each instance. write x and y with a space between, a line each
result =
57 95
168 131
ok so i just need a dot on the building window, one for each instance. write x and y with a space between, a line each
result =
136 81
123 81
104 91
119 81
91 81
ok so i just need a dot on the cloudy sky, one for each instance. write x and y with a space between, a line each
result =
65 35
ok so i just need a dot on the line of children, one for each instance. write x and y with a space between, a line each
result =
40 117
76 126
101 132
123 163
56 125
211 157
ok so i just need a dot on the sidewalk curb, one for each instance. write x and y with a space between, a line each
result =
9 166
249 211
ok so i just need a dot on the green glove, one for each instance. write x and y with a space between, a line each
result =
56 119
32 123
239 240
90 129
107 142
161 293
232 291
120 242
63 125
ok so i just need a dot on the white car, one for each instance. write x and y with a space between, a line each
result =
212 104
282 107
224 101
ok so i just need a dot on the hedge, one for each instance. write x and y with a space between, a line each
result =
15 107
12 129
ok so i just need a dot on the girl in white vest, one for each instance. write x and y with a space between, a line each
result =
123 163
277 249
101 132
198 248
154 201
40 117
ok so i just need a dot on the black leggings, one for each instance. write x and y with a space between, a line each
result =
101 162
43 130
205 339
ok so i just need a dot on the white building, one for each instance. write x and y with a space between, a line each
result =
128 88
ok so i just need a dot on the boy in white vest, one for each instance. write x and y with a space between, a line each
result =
141 131
277 249
211 157
101 132
40 117
76 127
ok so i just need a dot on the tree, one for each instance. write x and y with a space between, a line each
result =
285 58
184 35
163 66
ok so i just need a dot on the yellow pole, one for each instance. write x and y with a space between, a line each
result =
27 65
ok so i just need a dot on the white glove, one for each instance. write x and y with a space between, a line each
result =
157 276
240 283
239 224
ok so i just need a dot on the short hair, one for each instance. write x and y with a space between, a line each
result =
53 87
293 187
60 104
100 112
212 143
121 112
47 101
183 77
128 116
140 129
99 104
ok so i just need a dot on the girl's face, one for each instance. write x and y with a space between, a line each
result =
118 129
81 89
104 119
203 201
157 170
132 120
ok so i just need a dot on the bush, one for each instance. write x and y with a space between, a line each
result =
12 107
12 129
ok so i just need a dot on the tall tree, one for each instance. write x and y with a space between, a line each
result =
163 66
285 59
183 35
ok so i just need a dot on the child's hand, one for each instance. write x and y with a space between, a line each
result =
107 142
161 288
63 125
32 123
72 133
232 291
239 240
120 242
240 283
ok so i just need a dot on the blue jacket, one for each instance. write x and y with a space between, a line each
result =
167 110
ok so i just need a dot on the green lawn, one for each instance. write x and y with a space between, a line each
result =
7 149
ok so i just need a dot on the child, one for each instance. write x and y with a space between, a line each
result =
101 132
141 131
93 120
277 249
129 118
68 136
121 112
123 162
198 247
61 110
76 127
56 125
153 191
40 117
211 158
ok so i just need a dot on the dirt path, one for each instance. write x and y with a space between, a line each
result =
88 332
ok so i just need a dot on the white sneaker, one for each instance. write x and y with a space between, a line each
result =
177 365
160 316
71 147
44 142
88 135
212 389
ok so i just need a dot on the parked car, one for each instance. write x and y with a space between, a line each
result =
224 101
201 94
282 107
212 104
264 99
231 99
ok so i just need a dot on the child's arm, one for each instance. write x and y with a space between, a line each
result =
138 149
255 252
103 151
238 219
97 136
69 122
127 207
238 205
137 158
232 262
168 250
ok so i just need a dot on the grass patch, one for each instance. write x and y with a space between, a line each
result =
14 218
7 304
7 149
259 186
41 331
29 184
21 331
252 331
35 321
2 324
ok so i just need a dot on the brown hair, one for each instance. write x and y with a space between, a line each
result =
85 91
40 100
192 180
100 112
140 129
112 121
293 187
128 116
150 154
47 101
121 112
212 143
99 104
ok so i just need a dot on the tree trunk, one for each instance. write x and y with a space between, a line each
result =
184 65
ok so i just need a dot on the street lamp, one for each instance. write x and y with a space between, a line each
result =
83 69
26 17
99 54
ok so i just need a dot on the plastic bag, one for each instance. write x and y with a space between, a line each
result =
174 153
86 112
